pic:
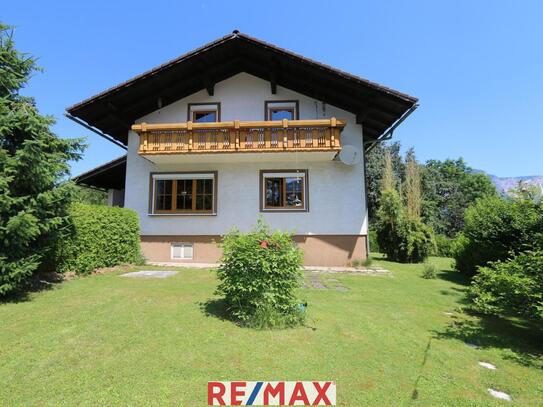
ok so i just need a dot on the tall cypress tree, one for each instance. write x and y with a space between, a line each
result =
34 196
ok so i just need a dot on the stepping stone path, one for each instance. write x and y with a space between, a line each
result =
361 271
150 274
493 392
312 273
488 365
314 281
500 395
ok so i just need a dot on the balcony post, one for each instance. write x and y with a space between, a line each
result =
285 134
333 124
144 133
236 132
189 134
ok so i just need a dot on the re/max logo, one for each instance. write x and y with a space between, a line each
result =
271 393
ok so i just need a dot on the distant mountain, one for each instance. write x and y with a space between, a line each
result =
504 184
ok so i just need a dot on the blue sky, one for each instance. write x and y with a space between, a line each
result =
476 66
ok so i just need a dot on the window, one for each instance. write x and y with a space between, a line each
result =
282 109
280 113
283 190
204 112
184 193
204 116
182 251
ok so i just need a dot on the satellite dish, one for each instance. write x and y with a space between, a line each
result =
350 155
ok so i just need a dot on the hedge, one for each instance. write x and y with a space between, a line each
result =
510 287
495 228
98 236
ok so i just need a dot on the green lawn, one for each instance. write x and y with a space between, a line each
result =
106 340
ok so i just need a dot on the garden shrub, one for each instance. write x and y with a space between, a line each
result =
98 236
372 237
356 263
259 274
511 287
400 237
443 247
494 228
429 271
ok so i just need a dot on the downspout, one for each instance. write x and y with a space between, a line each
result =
94 130
366 195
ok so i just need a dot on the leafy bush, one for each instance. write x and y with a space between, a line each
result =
356 263
98 236
512 287
496 227
367 262
444 246
401 238
429 271
372 237
259 274
359 263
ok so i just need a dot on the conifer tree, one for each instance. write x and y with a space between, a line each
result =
34 196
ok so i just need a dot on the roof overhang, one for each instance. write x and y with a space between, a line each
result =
110 175
113 111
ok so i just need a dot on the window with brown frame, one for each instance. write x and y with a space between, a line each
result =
281 109
183 193
283 190
204 112
204 116
280 113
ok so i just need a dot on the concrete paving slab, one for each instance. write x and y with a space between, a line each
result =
150 274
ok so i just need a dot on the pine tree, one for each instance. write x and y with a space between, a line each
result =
34 197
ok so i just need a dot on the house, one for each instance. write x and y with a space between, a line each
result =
236 129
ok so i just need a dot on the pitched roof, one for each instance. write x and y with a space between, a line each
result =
110 175
115 109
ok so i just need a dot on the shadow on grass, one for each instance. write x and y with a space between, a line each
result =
453 277
217 308
39 282
521 340
415 392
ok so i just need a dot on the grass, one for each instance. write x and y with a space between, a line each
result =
106 340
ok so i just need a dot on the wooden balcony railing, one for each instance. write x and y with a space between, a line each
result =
239 136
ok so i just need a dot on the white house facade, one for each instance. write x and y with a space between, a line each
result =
239 145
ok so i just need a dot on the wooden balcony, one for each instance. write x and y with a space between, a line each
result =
240 137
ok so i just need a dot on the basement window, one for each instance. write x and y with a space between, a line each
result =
182 251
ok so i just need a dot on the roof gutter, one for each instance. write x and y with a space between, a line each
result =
95 130
388 134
